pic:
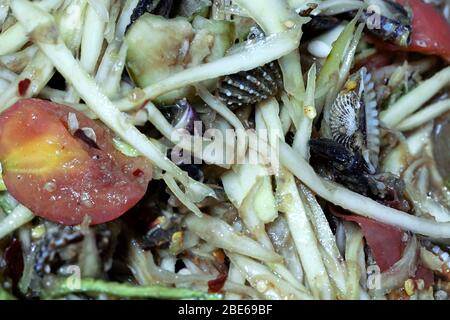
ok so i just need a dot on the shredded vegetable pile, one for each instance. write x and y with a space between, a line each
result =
225 149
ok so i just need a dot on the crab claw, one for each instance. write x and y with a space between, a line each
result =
340 164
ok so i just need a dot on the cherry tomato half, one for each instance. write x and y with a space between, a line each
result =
64 174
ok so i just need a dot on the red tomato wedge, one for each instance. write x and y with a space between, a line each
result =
384 240
430 30
64 176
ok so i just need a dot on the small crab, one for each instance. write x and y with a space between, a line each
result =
352 120
348 149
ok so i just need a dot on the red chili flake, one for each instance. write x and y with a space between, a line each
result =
23 86
216 285
138 173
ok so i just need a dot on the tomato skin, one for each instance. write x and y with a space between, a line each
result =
384 240
61 177
430 31
216 285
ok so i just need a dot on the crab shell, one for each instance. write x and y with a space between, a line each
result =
246 88
352 120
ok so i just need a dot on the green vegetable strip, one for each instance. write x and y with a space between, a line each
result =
304 129
300 227
18 217
353 249
193 144
70 24
414 99
331 256
4 9
304 237
346 64
124 19
256 273
271 15
355 202
7 203
12 39
4 295
329 74
92 39
425 115
15 37
63 287
109 73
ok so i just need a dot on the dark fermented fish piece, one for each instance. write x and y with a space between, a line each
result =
246 88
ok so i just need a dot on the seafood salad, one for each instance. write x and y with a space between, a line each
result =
225 149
